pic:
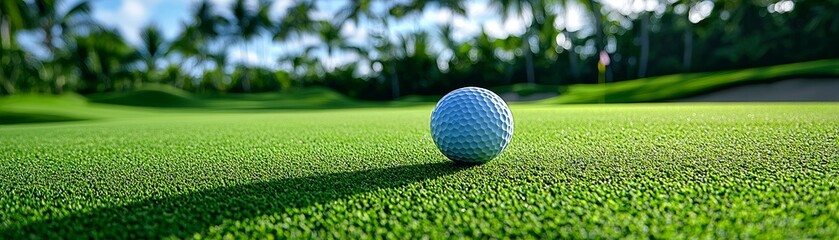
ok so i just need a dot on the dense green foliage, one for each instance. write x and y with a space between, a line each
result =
664 38
594 171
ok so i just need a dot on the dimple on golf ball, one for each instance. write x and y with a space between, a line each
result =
471 125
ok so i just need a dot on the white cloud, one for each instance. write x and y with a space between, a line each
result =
221 3
437 16
279 8
498 27
238 55
327 10
627 7
128 18
337 60
479 11
478 14
464 27
355 35
572 19
514 25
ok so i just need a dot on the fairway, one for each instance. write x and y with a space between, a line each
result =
572 171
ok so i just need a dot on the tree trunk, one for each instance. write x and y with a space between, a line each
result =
51 48
395 78
58 81
688 44
48 41
575 66
528 57
10 88
6 32
246 83
572 56
598 25
645 45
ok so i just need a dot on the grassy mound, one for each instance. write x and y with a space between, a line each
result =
20 109
684 85
149 96
306 98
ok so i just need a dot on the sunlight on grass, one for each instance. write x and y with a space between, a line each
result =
574 171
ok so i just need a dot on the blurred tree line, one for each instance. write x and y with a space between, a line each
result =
663 37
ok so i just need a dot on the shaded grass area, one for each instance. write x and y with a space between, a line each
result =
183 215
164 96
307 98
575 171
686 85
150 95
524 89
7 117
20 109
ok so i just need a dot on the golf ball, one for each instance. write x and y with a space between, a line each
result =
471 125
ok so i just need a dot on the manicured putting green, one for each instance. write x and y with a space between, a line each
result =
646 170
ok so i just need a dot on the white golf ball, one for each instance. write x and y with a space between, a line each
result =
471 125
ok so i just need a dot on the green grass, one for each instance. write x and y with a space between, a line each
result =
576 171
685 85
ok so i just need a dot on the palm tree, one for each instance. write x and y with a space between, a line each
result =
249 23
56 25
688 36
14 16
153 48
217 76
643 60
207 22
103 57
296 23
356 10
388 54
198 38
594 9
331 36
518 8
388 50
